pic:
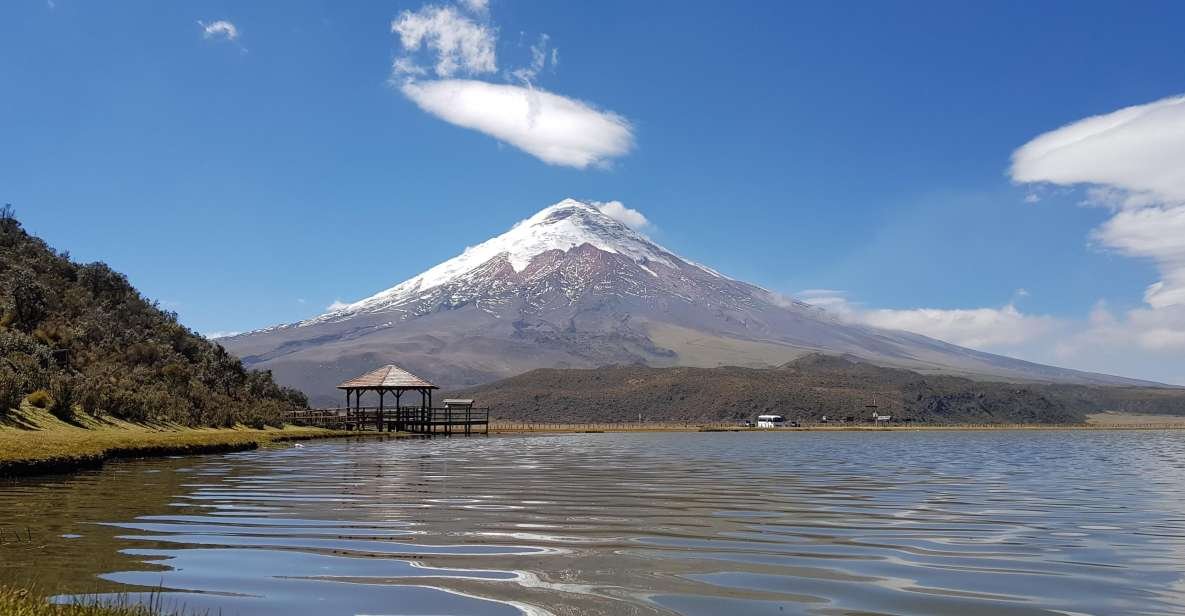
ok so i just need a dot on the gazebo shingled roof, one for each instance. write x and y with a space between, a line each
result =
387 377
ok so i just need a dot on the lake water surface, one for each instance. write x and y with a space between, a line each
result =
967 523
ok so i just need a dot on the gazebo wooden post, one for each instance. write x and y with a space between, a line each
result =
358 418
379 423
398 411
348 409
424 409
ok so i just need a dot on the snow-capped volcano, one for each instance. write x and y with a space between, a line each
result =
573 287
560 227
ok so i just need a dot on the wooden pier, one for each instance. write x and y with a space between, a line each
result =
456 416
414 419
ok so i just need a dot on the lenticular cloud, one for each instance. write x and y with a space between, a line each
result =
1139 150
553 128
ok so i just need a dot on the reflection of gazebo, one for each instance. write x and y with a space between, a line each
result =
388 379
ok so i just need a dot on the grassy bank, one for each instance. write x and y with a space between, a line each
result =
34 442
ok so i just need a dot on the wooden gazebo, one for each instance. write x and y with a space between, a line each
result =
389 379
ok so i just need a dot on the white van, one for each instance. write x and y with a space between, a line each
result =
770 421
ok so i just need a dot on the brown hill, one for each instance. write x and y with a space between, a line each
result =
805 389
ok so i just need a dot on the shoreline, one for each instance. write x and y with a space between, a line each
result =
154 445
593 428
44 445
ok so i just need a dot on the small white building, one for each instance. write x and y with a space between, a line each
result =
770 421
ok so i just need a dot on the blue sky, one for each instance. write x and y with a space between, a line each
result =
250 163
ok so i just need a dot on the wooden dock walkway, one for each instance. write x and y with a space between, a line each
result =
414 419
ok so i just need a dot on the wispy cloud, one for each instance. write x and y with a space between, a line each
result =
336 305
220 29
539 60
459 43
446 46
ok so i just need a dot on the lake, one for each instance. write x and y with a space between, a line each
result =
960 522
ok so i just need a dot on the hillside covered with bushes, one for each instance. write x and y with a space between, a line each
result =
78 338
803 390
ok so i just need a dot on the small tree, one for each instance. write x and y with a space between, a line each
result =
28 304
8 221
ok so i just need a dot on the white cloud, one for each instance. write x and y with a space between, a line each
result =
555 129
220 29
976 328
460 44
221 334
336 305
1156 233
1138 149
1140 343
985 329
627 216
1155 331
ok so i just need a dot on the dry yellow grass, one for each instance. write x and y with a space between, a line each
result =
32 441
22 602
1114 418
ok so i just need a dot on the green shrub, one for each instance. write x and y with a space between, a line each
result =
41 399
10 390
65 396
